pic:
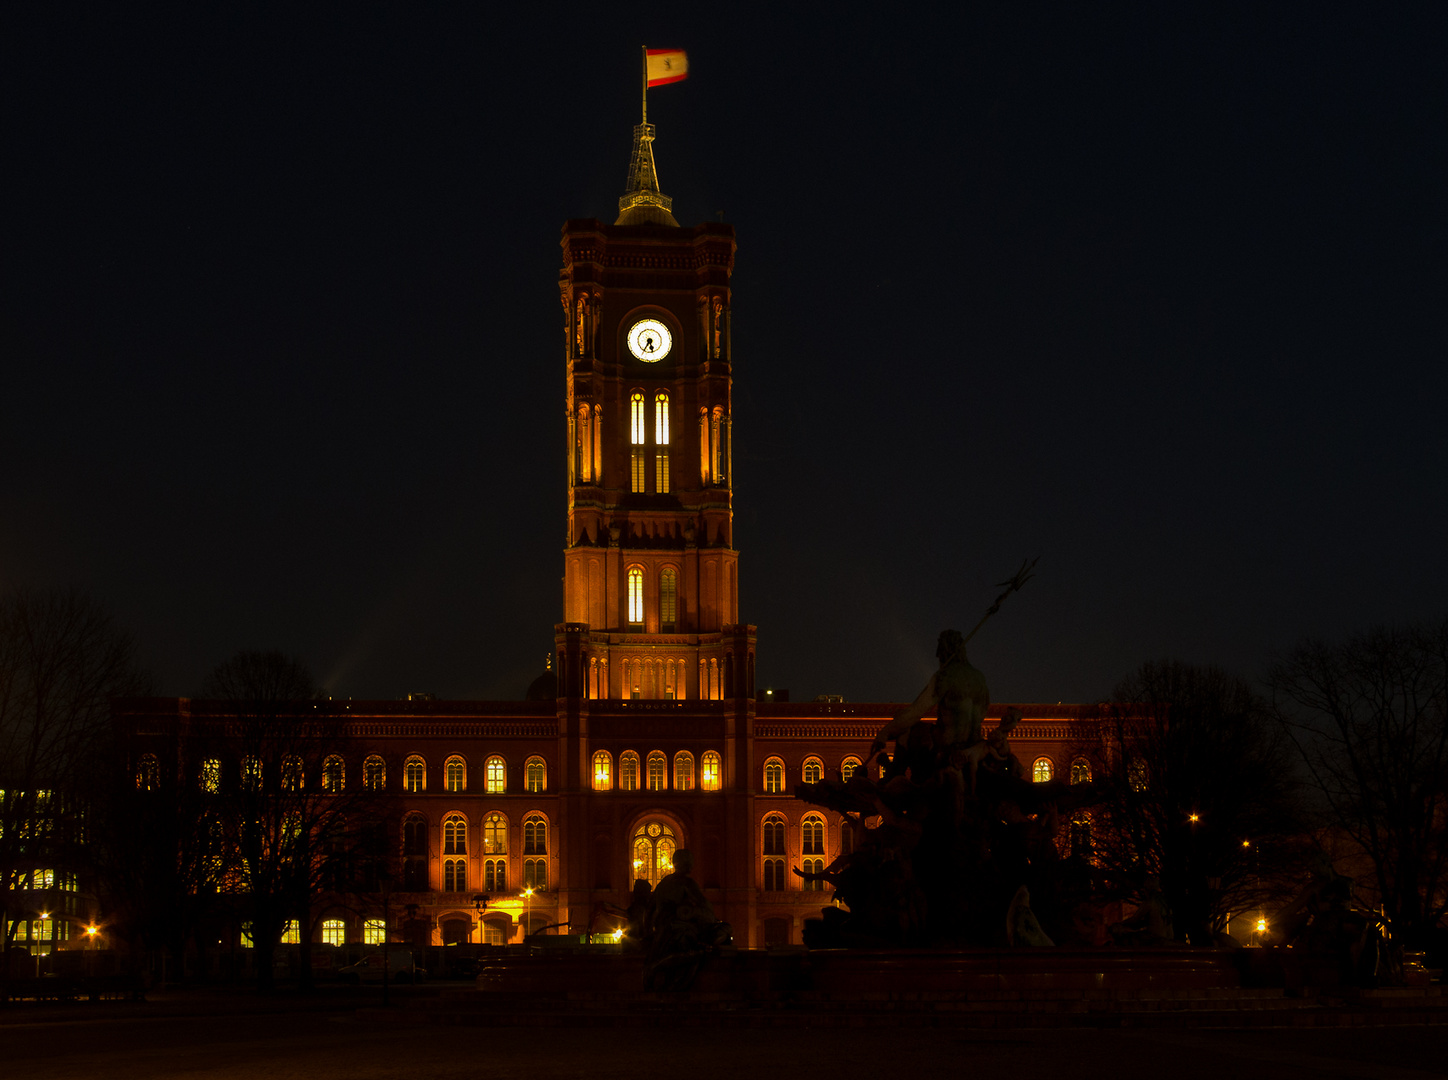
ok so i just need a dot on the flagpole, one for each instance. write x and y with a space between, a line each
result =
644 50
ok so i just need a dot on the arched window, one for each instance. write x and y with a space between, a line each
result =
812 866
1042 770
495 875
602 771
535 775
455 774
374 773
1080 835
454 835
455 875
773 840
813 771
294 774
495 834
848 767
638 433
495 775
654 845
635 596
683 771
1138 775
1080 771
668 600
414 774
535 874
334 932
414 853
812 835
628 771
709 771
658 766
251 773
661 443
704 474
148 774
334 773
774 777
535 836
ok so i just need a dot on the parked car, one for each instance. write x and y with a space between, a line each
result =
401 968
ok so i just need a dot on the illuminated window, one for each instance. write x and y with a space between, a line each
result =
772 835
495 932
535 775
495 875
496 776
602 771
683 771
661 443
813 771
250 773
414 774
374 773
1138 776
774 777
148 774
668 600
1042 770
813 866
455 774
454 835
293 773
1080 835
334 932
454 875
812 835
658 767
334 773
495 835
848 767
211 775
535 874
637 436
654 845
292 933
709 769
373 932
1080 771
635 596
628 771
535 836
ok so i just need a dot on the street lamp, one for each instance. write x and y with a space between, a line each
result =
527 909
480 905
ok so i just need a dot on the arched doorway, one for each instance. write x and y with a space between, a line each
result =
652 850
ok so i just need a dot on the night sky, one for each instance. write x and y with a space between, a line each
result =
1156 292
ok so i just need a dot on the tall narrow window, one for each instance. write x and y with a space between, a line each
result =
602 771
148 775
374 773
535 836
774 777
294 773
715 422
658 766
495 835
813 771
211 775
333 774
773 837
455 835
638 433
704 473
496 776
414 774
661 443
455 774
535 775
812 835
683 771
495 875
598 444
635 596
628 771
668 600
709 770
455 875
535 874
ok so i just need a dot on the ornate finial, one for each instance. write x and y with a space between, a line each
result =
644 204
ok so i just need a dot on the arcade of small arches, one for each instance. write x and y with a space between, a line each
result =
332 775
652 772
653 678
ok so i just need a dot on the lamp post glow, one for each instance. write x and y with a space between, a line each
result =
527 909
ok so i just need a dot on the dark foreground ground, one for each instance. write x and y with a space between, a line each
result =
219 1034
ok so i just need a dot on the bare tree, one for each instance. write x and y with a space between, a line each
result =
1368 717
62 660
1198 791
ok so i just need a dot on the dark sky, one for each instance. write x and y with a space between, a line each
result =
1154 291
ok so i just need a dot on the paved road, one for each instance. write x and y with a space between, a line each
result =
220 1037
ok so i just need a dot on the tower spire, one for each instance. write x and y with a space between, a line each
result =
644 203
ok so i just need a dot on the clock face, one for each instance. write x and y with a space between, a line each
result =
649 340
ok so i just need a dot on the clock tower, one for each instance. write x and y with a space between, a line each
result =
651 598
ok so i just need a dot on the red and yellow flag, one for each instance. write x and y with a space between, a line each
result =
666 66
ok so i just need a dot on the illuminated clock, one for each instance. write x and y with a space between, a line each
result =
649 340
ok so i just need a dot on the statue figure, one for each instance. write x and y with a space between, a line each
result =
956 693
581 325
718 320
1022 927
681 928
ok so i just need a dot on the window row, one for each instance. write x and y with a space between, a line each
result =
492 841
333 774
812 771
812 832
654 775
1043 770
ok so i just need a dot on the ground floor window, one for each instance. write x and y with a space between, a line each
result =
373 932
334 932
